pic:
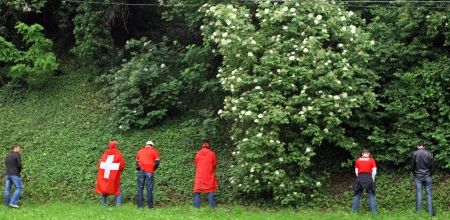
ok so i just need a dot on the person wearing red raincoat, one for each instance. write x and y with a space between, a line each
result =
205 175
110 168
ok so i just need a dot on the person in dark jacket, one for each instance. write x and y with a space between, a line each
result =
422 165
13 166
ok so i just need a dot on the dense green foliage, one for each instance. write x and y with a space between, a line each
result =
145 89
36 60
93 41
418 104
26 5
288 92
412 62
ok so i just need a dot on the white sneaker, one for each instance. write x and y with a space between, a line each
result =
13 206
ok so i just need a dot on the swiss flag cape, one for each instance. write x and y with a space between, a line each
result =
205 169
110 167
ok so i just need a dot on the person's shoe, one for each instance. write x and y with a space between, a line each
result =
13 206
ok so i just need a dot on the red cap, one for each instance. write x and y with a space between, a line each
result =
112 144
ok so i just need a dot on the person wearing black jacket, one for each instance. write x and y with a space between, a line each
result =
422 165
13 166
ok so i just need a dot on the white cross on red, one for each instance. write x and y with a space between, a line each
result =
108 165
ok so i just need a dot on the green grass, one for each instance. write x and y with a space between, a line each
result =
129 211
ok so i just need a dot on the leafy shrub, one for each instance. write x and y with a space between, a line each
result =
418 107
145 89
36 60
202 92
27 5
410 35
296 73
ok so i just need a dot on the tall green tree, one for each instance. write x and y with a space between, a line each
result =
93 41
296 73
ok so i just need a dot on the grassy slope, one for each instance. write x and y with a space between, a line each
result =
63 129
128 211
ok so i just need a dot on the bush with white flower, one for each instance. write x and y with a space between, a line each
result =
296 73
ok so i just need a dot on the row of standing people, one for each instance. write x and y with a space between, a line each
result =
112 164
422 164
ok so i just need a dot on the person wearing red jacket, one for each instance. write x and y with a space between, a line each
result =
365 170
205 175
110 168
147 161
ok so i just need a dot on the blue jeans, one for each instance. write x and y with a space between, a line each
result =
17 181
211 201
420 182
372 202
144 178
118 199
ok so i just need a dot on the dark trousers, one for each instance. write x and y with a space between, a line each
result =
364 181
145 179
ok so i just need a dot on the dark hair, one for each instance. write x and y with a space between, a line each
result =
15 146
365 150
421 143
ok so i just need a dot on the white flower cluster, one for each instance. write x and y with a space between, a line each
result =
317 19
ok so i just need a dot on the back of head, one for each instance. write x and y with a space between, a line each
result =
366 152
112 144
149 143
420 144
206 145
16 148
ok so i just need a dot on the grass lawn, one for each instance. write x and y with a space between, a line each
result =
129 211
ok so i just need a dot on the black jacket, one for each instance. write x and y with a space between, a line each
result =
13 164
422 163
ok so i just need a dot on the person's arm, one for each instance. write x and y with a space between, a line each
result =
356 171
413 163
432 165
156 164
374 169
374 173
157 160
19 163
138 166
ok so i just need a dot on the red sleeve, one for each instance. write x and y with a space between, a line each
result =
356 164
374 164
